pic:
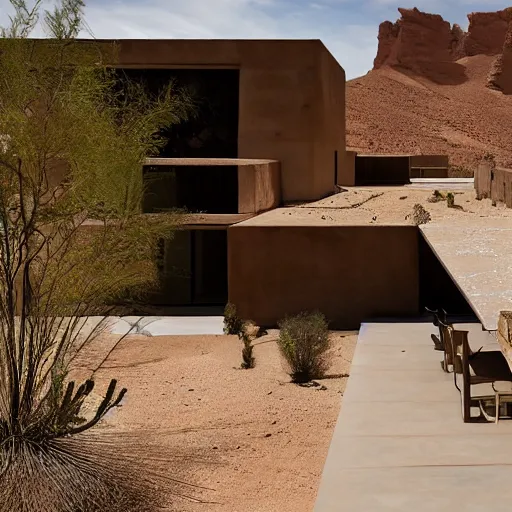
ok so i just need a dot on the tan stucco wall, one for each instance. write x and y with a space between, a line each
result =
259 187
347 173
291 106
350 273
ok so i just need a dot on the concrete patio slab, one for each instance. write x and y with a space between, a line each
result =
396 357
400 443
409 418
428 450
423 386
477 257
419 489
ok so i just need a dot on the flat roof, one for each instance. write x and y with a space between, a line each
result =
478 257
318 216
206 161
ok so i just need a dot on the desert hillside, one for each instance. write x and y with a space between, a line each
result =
437 89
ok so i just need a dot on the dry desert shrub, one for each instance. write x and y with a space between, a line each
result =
233 324
304 343
247 357
436 197
420 215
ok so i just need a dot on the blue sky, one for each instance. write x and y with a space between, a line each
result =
347 27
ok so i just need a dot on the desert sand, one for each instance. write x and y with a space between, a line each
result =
437 89
391 111
255 441
382 205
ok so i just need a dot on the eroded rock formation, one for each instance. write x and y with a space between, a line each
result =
415 38
486 32
500 76
426 44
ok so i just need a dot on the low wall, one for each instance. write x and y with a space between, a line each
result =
382 169
349 273
347 170
258 180
428 166
429 172
494 183
425 161
259 187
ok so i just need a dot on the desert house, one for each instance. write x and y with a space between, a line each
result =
271 132
271 128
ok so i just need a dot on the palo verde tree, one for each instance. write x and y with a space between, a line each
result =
72 239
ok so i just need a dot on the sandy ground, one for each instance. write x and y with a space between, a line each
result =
390 112
382 205
256 442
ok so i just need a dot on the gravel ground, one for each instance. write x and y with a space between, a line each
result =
393 112
255 441
382 205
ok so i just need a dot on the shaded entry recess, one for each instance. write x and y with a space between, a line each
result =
193 269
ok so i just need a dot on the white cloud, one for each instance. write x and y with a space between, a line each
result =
354 46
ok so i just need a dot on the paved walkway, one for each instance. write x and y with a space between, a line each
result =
400 443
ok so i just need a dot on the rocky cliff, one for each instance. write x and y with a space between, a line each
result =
416 38
405 107
500 76
426 44
486 32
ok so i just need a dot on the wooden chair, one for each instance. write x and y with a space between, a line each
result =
440 317
443 341
488 368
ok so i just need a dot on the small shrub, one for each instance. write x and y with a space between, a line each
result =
450 200
436 197
247 357
420 215
489 157
233 324
304 343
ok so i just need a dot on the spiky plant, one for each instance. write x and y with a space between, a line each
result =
72 239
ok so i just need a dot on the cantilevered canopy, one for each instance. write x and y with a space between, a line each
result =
478 257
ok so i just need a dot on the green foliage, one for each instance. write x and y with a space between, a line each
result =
66 20
23 21
233 324
304 343
72 238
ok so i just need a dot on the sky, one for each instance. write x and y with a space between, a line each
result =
348 28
